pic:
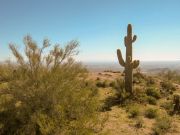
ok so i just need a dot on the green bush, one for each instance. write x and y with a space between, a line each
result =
151 113
142 98
136 80
151 100
167 87
167 105
101 84
162 125
47 94
169 75
112 84
6 72
150 81
121 93
134 111
138 74
97 78
151 91
139 95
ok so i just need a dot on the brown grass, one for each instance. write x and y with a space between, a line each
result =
119 122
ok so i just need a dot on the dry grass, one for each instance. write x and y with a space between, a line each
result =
119 122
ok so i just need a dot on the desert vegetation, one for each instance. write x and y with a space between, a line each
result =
46 92
148 111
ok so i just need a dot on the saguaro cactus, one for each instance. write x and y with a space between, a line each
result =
129 64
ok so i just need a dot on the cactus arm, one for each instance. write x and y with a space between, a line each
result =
135 64
120 58
134 38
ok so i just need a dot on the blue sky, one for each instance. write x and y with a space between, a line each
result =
99 26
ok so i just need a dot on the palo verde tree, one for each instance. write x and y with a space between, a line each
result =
46 93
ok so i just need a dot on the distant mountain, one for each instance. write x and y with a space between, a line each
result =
146 66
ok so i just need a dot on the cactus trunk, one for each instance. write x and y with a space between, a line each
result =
128 64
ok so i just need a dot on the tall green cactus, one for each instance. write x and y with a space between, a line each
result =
129 64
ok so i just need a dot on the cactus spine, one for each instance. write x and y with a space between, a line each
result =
129 64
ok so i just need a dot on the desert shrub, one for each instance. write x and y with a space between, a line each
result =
138 77
48 97
6 71
133 110
152 100
139 95
169 75
116 71
162 125
121 97
139 122
111 71
167 87
138 73
121 93
142 98
136 80
108 71
101 84
151 91
109 75
112 84
151 113
150 81
167 105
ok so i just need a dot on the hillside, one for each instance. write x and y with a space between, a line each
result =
148 113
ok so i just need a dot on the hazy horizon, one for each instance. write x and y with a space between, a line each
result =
145 66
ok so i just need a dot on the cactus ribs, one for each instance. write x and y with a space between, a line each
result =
129 64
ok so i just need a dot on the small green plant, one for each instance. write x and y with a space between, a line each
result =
152 100
151 113
101 84
150 81
162 125
139 122
168 85
138 77
151 91
167 88
121 94
112 84
139 95
167 105
136 80
142 98
133 111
